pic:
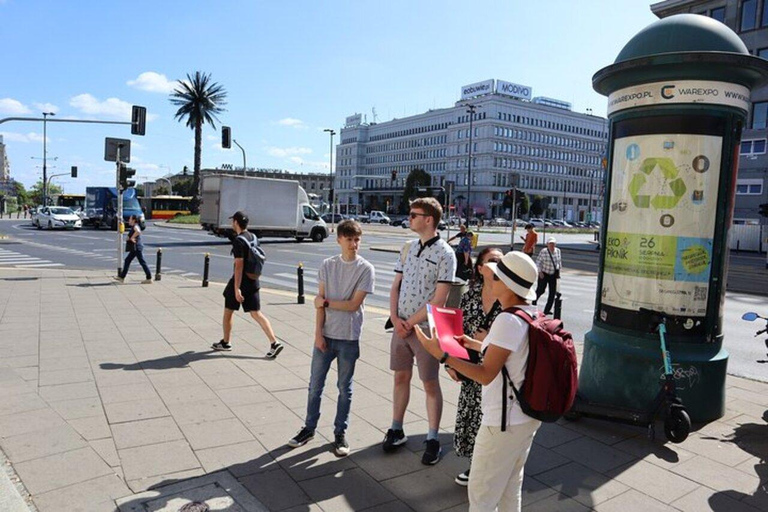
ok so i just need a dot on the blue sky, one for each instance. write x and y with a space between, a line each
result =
290 68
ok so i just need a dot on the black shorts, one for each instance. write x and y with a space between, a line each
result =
250 290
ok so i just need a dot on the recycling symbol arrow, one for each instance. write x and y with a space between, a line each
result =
660 201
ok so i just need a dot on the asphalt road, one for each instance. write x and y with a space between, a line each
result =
184 251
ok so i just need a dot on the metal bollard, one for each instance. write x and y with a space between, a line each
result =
206 266
300 275
158 264
558 305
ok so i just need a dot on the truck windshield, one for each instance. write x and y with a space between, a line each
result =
131 204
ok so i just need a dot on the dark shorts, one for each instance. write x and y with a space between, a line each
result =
250 291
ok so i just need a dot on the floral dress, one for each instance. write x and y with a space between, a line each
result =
469 414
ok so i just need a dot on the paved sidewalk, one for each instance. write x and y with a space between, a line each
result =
109 395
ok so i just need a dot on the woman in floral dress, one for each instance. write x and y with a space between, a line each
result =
479 309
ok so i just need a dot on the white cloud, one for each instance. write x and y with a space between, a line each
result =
292 122
46 107
22 137
212 137
285 152
153 82
111 107
13 107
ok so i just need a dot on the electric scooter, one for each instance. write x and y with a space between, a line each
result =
751 317
677 423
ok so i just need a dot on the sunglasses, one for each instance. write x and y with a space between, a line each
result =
413 215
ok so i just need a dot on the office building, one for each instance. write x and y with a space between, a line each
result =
749 19
538 143
5 166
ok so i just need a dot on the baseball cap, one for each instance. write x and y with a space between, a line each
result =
240 217
551 240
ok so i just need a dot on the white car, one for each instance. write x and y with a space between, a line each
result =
53 217
378 217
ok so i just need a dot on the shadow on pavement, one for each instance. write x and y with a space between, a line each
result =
177 361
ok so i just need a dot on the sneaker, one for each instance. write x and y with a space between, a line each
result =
340 445
303 437
393 440
222 346
118 278
147 281
432 453
463 479
274 350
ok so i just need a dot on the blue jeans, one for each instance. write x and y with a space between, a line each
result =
139 255
347 353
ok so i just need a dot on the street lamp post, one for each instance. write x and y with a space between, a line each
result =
471 111
330 175
241 149
45 156
591 181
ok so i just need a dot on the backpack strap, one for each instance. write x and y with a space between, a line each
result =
404 253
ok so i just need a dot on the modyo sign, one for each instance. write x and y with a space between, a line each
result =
478 89
683 91
514 90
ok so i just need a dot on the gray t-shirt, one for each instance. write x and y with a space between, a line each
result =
342 279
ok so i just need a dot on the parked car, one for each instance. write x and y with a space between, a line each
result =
337 217
498 221
61 217
364 219
378 217
537 222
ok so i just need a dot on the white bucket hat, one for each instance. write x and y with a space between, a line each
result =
518 272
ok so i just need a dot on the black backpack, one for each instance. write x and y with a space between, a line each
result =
254 260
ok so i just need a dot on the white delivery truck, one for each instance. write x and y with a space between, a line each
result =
275 208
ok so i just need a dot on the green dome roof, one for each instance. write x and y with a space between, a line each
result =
682 33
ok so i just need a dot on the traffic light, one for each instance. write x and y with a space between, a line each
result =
226 137
74 171
138 120
125 174
764 209
394 175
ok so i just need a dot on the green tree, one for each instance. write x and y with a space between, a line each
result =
200 100
22 197
35 193
416 178
524 205
538 206
184 187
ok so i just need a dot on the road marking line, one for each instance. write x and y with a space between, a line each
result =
35 265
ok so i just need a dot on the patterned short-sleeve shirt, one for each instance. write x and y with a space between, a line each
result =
423 267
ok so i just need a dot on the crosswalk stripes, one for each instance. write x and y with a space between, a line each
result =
19 260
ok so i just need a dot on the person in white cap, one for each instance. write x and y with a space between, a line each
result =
549 262
496 480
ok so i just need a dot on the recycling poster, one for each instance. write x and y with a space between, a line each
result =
663 200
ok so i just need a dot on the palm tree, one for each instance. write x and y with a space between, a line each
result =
199 101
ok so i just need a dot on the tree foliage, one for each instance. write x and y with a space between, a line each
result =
35 193
538 206
416 178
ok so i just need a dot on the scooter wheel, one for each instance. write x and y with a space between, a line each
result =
677 425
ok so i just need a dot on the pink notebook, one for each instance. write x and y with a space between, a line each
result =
448 322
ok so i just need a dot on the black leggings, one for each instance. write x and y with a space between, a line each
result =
138 254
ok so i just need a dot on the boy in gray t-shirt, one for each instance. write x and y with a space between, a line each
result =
343 282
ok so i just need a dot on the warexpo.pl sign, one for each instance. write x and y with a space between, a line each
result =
683 91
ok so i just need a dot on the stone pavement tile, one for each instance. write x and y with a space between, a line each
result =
234 380
633 500
550 435
175 378
745 407
383 466
29 421
381 417
186 394
127 393
216 433
58 353
92 428
559 502
717 476
86 496
535 491
282 382
60 470
758 498
542 459
653 481
582 484
593 454
297 398
16 388
29 374
705 498
604 431
65 363
311 460
240 459
394 506
755 397
348 490
118 377
719 448
157 459
263 485
144 432
256 415
42 443
18 361
106 450
749 385
21 403
658 452
426 490
136 410
69 391
157 481
79 408
199 412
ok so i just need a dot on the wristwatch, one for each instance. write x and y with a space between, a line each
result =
326 303
444 358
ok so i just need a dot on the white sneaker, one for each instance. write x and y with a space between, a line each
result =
274 350
147 281
118 278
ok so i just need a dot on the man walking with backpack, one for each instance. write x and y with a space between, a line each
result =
243 287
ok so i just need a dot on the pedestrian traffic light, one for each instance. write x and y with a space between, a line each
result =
394 175
764 209
226 137
138 120
74 171
125 174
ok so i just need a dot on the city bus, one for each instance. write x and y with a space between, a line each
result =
165 207
74 201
